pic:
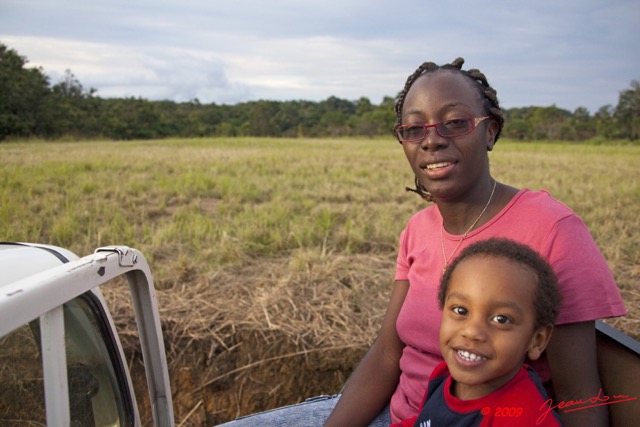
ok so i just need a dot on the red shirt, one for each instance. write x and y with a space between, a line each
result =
520 402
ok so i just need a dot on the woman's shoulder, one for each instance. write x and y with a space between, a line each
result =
541 203
535 214
430 214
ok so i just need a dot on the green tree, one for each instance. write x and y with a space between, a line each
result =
22 95
334 114
373 120
628 112
130 118
70 109
363 106
582 126
519 123
333 123
604 122
288 120
550 122
261 115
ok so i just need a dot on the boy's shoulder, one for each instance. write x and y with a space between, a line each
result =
522 400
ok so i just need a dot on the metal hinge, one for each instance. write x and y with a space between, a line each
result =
126 257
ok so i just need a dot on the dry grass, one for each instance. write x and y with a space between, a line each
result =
273 259
289 329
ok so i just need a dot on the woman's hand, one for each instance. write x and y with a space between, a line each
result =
371 385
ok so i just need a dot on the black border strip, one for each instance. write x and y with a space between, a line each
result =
618 336
45 248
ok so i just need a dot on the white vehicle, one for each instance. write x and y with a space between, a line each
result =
62 364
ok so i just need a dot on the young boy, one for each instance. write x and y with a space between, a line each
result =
499 300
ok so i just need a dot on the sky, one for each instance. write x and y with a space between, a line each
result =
568 53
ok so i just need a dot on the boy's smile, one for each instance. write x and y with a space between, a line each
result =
488 324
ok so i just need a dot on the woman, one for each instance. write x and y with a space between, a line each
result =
447 122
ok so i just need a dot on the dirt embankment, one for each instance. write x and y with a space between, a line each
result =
265 335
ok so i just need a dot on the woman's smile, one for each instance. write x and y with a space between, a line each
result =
439 170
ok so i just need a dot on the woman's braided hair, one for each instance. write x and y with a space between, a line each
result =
488 94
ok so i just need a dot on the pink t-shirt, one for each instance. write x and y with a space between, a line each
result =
533 218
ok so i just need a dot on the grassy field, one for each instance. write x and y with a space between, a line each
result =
283 247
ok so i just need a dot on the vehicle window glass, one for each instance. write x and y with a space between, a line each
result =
21 378
95 395
99 392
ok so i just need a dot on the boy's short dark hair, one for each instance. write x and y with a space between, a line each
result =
547 295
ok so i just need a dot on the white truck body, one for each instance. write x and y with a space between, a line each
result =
51 296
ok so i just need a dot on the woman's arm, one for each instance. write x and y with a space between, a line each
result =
574 371
371 385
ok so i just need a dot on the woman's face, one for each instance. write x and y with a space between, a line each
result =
450 168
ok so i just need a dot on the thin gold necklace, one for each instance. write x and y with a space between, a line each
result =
464 236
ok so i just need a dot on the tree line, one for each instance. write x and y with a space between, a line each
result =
32 107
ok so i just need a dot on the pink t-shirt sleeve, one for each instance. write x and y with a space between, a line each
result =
588 288
402 264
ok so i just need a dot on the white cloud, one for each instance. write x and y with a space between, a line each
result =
571 53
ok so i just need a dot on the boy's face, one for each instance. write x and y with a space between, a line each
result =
488 324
